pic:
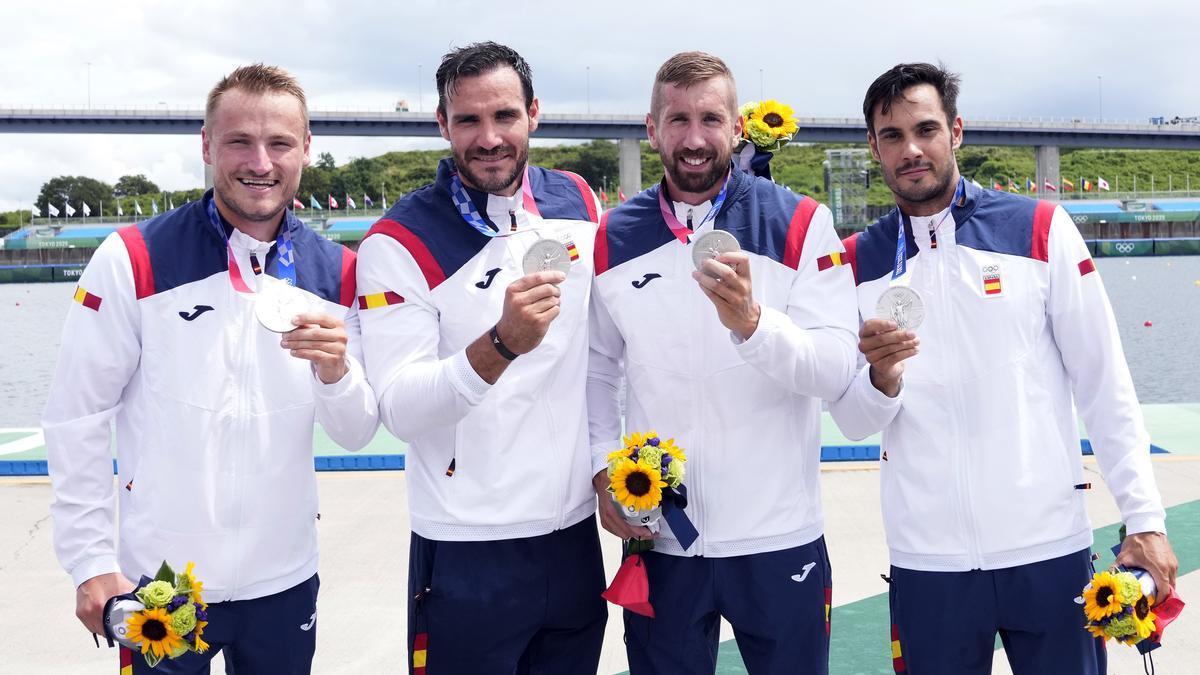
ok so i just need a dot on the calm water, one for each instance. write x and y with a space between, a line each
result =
1164 358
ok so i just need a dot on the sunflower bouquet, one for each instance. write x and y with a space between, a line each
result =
640 472
1118 606
646 481
163 618
768 125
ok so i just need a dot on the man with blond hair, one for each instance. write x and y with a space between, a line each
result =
730 357
169 339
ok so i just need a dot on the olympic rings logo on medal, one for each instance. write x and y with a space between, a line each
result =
1124 247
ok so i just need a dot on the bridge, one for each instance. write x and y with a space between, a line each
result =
1045 135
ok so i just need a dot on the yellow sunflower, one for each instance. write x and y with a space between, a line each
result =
619 454
637 486
151 628
668 446
201 645
779 119
1143 618
1097 630
1103 599
196 586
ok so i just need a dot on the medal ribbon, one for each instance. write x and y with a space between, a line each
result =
901 265
677 228
468 211
283 246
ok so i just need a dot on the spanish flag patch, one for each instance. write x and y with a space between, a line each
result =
419 651
86 299
572 251
379 300
832 260
897 656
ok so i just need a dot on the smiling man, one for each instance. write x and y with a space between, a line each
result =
981 474
475 326
213 412
731 360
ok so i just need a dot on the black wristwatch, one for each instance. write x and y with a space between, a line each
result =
507 353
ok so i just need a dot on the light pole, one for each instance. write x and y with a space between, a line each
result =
1100 95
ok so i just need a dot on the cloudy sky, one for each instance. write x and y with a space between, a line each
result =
1055 58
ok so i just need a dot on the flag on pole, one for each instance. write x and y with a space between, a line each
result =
297 204
37 213
332 202
171 203
312 202
137 207
383 199
1012 186
52 210
603 197
69 209
350 202
1068 186
87 210
620 194
1087 185
997 186
1049 186
1029 186
120 211
1101 183
154 206
367 200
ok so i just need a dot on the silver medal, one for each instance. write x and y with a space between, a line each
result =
713 244
546 255
277 303
902 305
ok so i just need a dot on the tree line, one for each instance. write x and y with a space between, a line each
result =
800 167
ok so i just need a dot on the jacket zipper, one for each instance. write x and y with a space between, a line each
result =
961 446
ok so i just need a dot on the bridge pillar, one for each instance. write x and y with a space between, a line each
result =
629 160
1047 170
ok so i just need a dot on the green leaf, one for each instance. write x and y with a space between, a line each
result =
165 573
152 659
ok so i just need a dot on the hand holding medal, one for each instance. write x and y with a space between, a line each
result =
308 333
723 273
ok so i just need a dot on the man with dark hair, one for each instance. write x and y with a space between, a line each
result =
213 411
981 478
730 356
475 294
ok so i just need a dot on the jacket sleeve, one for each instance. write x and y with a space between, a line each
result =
1086 333
419 389
101 348
347 409
605 353
810 349
864 410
